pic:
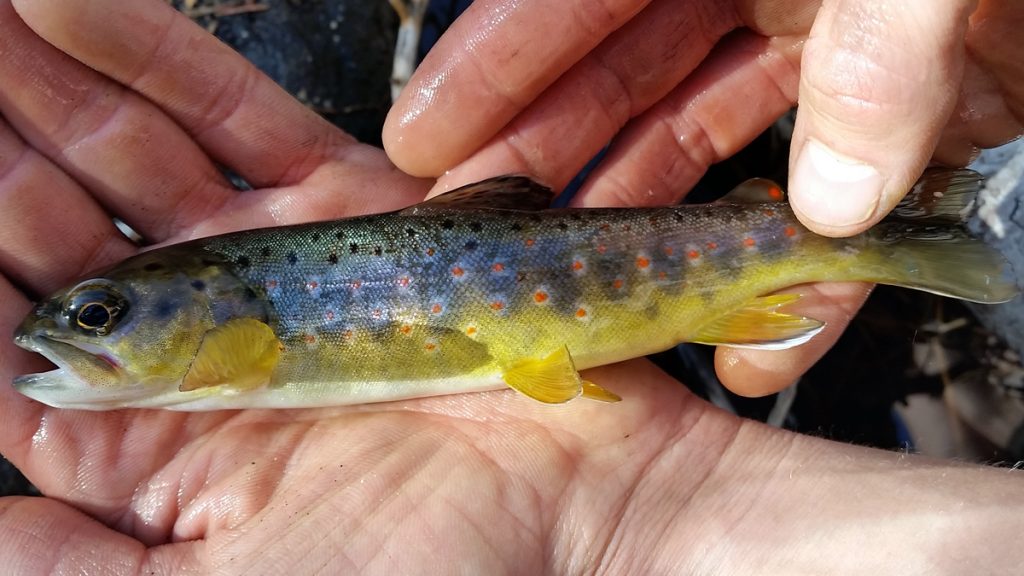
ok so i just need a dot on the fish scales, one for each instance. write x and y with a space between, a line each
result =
454 296
511 282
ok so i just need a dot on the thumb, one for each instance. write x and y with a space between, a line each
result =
879 81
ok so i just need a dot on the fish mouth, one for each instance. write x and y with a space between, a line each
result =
86 376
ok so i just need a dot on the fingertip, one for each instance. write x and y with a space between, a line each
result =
834 194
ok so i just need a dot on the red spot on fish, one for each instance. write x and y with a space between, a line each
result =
769 212
775 193
662 275
693 254
346 335
530 242
458 272
405 329
749 242
377 313
642 262
403 281
617 284
668 250
309 338
497 305
312 284
712 245
471 330
271 283
627 228
435 309
577 265
581 312
430 346
601 248
540 296
430 251
357 284
605 227
330 314
789 231
498 267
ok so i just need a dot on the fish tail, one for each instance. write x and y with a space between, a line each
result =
924 243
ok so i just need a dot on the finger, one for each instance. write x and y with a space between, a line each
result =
709 117
43 536
135 160
491 64
41 249
593 101
760 372
880 80
238 115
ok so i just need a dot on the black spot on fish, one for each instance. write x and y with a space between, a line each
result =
377 250
535 218
292 258
163 309
448 224
517 227
475 226
472 245
265 252
339 235
153 267
411 232
575 216
520 276
562 225
315 237
678 215
207 262
250 294
198 285
332 258
243 261
353 247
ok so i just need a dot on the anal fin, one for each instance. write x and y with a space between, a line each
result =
553 380
759 324
241 354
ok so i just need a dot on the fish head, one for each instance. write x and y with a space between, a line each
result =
127 337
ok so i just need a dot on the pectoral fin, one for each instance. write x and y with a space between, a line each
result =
241 354
759 324
553 380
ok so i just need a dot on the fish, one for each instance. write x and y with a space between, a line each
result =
482 288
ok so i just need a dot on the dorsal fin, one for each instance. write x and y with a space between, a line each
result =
941 196
500 193
755 191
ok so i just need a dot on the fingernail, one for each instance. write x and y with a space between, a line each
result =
835 190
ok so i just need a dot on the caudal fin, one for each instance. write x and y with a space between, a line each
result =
925 245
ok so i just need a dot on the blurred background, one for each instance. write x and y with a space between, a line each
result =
914 372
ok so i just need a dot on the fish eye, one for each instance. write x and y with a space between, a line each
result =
93 316
95 309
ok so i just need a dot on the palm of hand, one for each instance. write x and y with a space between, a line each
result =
490 481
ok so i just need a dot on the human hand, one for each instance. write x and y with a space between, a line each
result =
488 482
539 87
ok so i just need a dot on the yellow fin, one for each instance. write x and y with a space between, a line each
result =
759 324
241 354
552 380
595 392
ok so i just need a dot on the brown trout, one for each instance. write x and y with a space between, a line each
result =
477 289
